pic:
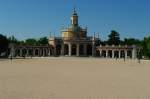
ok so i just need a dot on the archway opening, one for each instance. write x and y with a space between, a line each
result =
103 53
122 54
110 53
58 49
17 52
116 54
24 52
89 50
129 54
36 52
73 49
81 50
97 53
66 49
30 52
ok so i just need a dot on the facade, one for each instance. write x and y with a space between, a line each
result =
74 41
29 51
117 51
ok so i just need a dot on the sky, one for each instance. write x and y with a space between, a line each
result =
37 18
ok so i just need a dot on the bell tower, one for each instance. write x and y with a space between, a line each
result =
74 18
74 30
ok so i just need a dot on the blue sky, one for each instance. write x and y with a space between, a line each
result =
37 18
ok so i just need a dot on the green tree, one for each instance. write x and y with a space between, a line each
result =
43 41
40 41
113 38
131 41
13 40
31 41
4 43
146 47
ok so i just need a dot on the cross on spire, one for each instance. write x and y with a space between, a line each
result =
74 11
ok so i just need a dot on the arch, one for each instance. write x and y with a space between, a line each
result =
110 53
97 53
73 49
17 52
122 54
103 53
81 49
129 53
45 52
51 50
36 52
24 52
116 54
30 53
58 49
41 52
66 49
89 50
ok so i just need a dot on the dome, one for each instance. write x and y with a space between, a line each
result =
74 28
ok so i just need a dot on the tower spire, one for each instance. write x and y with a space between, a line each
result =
74 11
74 17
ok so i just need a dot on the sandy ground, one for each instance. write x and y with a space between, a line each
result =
74 78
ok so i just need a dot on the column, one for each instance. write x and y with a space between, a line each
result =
70 50
62 49
119 53
100 52
20 52
49 52
27 54
13 52
106 53
77 50
39 52
33 52
93 49
126 54
43 52
85 50
113 54
134 53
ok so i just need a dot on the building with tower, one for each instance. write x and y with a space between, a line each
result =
74 40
